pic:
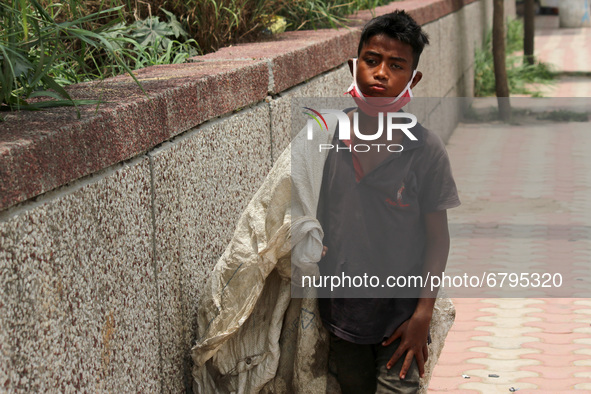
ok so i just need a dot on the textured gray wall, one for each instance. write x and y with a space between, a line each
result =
99 280
78 308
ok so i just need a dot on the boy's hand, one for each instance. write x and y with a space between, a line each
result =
413 335
414 332
324 250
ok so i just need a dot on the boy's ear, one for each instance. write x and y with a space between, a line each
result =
350 61
416 79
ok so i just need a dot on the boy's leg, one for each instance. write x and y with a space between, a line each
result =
389 379
355 366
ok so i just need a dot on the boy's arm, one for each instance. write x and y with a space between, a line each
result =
413 333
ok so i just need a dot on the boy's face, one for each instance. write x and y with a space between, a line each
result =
384 67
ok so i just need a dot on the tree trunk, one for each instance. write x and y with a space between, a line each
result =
498 36
528 31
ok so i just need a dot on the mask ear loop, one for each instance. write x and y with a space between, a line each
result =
354 83
414 73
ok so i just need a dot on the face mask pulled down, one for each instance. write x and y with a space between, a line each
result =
372 106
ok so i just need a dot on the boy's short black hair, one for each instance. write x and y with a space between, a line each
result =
399 26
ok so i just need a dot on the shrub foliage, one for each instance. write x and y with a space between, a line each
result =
521 76
47 44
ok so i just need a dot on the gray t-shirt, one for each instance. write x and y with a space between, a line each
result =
374 227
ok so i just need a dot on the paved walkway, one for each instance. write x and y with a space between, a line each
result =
525 193
568 51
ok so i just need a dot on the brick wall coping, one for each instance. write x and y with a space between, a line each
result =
40 151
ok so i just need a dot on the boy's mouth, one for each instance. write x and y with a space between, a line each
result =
377 88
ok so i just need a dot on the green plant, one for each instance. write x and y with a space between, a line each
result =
521 76
217 23
312 14
149 42
152 30
175 52
316 14
47 44
522 115
563 116
514 36
34 47
39 55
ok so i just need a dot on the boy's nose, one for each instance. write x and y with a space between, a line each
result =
381 72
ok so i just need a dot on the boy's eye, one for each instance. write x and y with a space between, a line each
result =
396 66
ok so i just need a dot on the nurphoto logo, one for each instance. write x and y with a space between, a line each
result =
393 122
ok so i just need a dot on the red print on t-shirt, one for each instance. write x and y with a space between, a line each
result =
398 202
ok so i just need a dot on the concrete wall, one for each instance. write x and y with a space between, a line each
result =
79 297
100 277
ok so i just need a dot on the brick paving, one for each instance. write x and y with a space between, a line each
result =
562 47
525 193
567 51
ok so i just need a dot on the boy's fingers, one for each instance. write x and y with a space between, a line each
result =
406 364
394 358
425 352
324 250
420 364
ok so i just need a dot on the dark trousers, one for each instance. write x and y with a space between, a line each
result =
361 369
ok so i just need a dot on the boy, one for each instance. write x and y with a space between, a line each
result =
384 212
